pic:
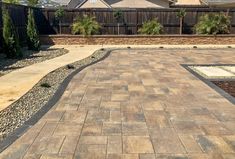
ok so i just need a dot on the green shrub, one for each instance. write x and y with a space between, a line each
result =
11 45
151 27
86 25
32 34
213 23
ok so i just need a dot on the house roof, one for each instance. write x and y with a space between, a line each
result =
188 2
124 3
220 3
46 3
84 1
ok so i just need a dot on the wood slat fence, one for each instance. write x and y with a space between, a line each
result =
133 19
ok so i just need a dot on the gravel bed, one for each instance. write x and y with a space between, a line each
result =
29 58
23 109
227 86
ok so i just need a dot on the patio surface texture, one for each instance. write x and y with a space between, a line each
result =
136 104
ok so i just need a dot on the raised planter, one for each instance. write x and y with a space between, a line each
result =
138 40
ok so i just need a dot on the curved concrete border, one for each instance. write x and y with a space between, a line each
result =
36 117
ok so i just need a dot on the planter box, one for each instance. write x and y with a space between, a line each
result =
137 40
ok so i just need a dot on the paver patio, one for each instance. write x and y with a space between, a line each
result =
136 104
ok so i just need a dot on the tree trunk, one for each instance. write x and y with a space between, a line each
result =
118 29
181 25
60 26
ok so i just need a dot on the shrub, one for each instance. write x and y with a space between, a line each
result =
86 25
32 34
151 27
11 45
213 23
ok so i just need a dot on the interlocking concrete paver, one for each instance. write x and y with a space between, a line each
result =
136 104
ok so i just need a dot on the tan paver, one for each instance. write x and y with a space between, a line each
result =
136 104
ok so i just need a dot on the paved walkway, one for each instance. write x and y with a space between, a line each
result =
15 84
136 105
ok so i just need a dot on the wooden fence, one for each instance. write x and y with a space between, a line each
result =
133 19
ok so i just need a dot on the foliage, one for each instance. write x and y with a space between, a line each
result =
151 27
11 1
181 13
32 34
11 45
118 15
59 13
32 3
86 25
213 23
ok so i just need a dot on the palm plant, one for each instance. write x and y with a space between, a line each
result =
151 27
118 15
181 14
212 23
86 25
59 14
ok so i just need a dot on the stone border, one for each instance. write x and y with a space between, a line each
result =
214 78
209 81
138 40
18 132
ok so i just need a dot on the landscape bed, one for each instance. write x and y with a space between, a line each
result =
227 86
25 112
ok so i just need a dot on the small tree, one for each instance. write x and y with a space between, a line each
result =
86 25
11 45
118 15
151 27
181 14
32 3
32 33
59 14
